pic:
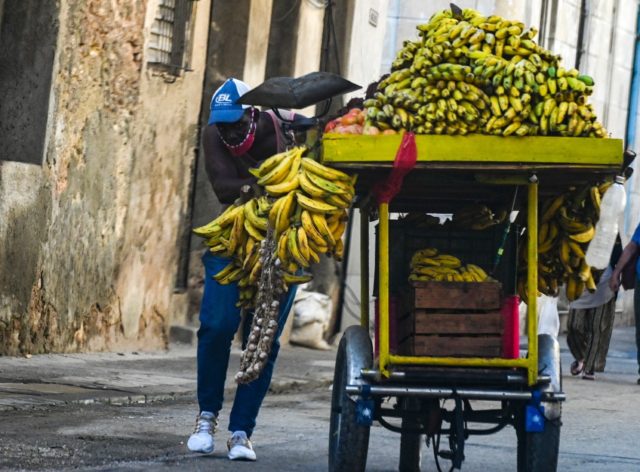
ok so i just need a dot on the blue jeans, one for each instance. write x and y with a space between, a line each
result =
219 321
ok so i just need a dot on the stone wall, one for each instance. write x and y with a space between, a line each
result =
90 239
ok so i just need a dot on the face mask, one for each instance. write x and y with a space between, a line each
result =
246 144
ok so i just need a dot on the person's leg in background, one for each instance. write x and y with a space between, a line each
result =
576 339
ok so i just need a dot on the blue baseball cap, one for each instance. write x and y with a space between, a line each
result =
224 108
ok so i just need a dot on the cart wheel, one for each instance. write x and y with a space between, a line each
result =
538 452
410 442
348 440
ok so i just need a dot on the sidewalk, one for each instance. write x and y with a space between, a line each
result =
140 377
144 377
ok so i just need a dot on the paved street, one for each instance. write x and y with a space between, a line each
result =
75 420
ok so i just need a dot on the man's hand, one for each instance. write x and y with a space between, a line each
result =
614 281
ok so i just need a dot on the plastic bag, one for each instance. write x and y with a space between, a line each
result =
311 314
548 316
405 160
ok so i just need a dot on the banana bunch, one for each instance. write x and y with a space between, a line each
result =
474 74
428 265
477 217
306 207
567 225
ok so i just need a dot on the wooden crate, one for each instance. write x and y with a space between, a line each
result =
456 295
452 319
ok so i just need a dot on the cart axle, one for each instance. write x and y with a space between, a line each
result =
473 394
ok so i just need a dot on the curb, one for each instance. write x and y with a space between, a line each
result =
278 387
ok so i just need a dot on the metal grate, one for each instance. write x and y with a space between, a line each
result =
169 31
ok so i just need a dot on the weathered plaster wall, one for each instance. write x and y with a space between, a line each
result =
90 239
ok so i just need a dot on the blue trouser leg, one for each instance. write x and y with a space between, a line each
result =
219 320
636 312
249 396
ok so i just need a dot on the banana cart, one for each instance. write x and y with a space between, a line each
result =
428 386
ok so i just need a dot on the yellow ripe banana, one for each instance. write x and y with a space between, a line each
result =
565 255
255 273
585 271
323 171
309 187
273 212
428 261
446 260
543 232
495 106
321 225
252 256
338 201
313 255
284 215
338 251
208 230
228 269
303 243
314 205
310 228
282 249
253 231
292 245
285 186
585 236
576 249
318 248
325 184
229 215
251 215
278 173
572 289
269 164
594 194
479 271
554 206
236 232
296 279
338 230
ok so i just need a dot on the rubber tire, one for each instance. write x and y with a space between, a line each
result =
348 440
410 452
538 452
410 443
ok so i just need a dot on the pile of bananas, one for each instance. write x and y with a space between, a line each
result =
306 207
566 228
477 217
474 74
428 265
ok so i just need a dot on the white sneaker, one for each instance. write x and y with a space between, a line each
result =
202 438
240 448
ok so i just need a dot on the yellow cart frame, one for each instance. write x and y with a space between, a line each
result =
521 158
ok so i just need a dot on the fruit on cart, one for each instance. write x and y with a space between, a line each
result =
351 122
429 265
474 74
477 217
567 225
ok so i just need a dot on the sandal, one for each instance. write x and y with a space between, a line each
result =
577 367
588 376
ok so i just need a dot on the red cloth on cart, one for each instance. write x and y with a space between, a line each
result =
405 160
